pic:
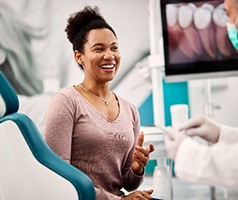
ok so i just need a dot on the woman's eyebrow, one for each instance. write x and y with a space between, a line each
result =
97 44
101 44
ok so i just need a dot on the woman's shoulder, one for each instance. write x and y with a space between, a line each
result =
65 94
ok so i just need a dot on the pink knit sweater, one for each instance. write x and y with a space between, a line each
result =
101 148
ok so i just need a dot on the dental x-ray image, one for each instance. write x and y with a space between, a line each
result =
196 39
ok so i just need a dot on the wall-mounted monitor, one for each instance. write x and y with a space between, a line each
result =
196 44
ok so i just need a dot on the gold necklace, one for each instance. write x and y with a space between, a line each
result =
105 101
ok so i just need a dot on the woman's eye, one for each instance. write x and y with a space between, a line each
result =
115 48
99 49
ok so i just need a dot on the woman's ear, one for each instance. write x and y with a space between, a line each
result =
78 57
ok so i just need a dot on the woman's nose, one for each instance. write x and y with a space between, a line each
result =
109 55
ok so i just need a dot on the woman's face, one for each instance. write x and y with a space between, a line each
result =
101 57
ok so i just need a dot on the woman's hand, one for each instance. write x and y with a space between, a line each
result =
139 195
140 156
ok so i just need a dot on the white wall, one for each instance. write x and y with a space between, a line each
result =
224 94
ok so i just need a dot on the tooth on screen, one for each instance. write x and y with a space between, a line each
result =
219 17
202 18
204 23
192 6
192 39
221 6
172 14
208 6
185 16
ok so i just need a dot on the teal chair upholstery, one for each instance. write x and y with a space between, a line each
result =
29 169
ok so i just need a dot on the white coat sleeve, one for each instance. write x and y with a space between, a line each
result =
228 134
211 165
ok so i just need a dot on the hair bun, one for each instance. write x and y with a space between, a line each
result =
81 19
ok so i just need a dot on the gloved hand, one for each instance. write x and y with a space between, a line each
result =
202 126
172 143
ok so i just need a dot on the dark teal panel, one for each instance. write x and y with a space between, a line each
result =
149 169
146 112
174 93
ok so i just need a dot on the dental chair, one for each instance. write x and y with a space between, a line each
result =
29 169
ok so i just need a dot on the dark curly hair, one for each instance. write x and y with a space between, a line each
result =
81 23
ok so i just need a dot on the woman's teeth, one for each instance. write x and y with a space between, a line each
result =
107 66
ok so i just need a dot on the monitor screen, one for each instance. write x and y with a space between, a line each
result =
196 43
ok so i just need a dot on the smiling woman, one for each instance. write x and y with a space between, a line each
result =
91 127
101 55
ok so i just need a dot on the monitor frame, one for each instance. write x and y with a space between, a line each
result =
185 71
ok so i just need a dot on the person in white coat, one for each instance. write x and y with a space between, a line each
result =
198 163
216 164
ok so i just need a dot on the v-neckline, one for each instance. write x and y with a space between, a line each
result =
96 110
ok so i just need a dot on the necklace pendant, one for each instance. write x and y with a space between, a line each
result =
106 103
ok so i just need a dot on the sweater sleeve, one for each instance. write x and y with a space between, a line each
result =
104 195
59 126
132 181
211 165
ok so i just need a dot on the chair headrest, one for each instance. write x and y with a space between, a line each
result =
8 98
